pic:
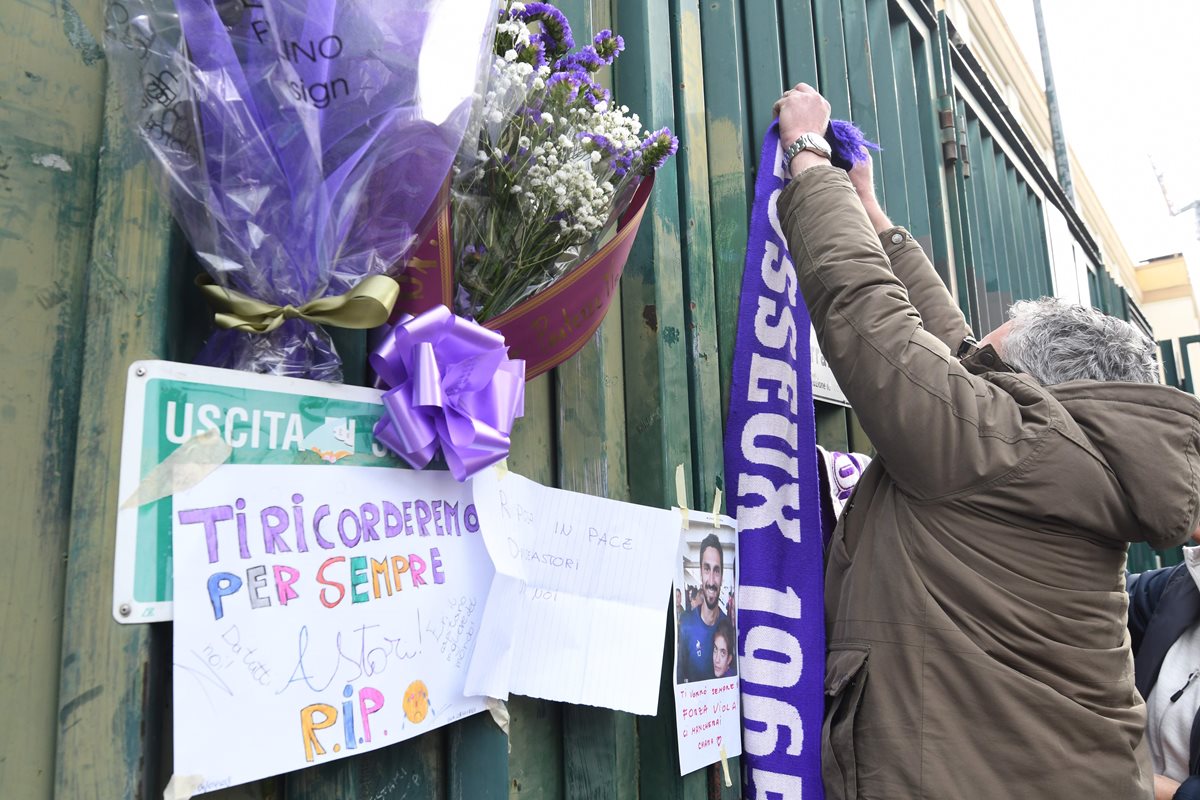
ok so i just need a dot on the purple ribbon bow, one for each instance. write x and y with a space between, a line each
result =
451 385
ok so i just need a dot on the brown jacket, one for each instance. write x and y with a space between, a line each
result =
975 603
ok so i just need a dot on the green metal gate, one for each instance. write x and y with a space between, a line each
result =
94 276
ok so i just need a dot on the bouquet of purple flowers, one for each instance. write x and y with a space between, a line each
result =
301 142
550 165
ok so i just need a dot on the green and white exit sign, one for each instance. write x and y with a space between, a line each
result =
262 419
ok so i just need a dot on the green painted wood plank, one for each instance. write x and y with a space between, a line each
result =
704 369
891 160
585 435
993 257
936 52
598 751
412 769
535 764
917 171
725 98
535 768
1006 256
861 77
1023 285
51 120
704 377
591 459
1008 184
658 423
655 385
604 763
477 759
859 441
989 251
1170 557
532 453
972 238
799 43
764 75
1031 261
351 346
925 107
1045 272
832 430
1039 247
1141 558
831 56
111 675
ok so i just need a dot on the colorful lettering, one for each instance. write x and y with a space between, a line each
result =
358 577
309 727
341 590
220 586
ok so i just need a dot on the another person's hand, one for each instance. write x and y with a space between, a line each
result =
1164 787
802 110
863 179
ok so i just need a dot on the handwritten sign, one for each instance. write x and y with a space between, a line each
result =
262 419
575 609
320 613
707 689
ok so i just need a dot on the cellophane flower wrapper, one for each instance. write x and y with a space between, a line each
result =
548 165
301 142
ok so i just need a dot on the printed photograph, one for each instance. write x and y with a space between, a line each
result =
705 603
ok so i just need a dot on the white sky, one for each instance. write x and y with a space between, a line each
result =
1128 80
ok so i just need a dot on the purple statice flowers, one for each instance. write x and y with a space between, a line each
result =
555 34
656 149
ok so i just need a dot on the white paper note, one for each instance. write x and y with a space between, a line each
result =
575 612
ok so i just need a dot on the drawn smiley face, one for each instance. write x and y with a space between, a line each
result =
416 701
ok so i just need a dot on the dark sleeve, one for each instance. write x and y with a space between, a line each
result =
1144 590
1188 790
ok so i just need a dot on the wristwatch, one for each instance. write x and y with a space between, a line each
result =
808 141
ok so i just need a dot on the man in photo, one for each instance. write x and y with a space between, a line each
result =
699 624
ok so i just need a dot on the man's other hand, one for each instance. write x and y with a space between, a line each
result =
863 179
862 176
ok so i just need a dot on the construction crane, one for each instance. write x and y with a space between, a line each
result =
1172 209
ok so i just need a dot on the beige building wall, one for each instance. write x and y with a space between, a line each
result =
984 30
1168 300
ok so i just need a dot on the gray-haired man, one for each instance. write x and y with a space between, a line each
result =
974 595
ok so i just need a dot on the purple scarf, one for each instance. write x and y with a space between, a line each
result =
771 472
